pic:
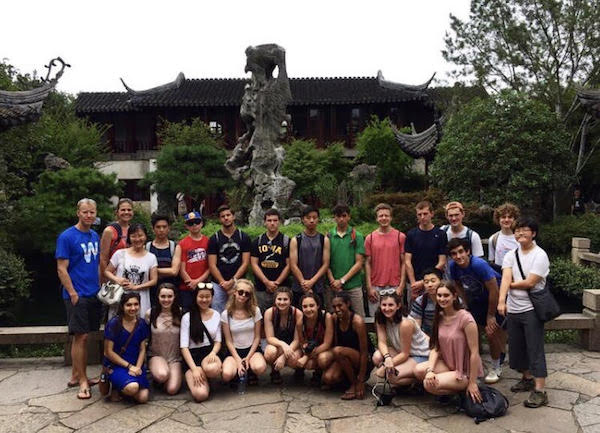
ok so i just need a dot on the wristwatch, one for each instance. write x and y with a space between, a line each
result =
342 281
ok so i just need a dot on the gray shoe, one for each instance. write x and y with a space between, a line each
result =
523 385
536 399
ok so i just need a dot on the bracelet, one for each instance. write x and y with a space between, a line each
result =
128 366
386 356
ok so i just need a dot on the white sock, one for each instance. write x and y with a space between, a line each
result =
496 363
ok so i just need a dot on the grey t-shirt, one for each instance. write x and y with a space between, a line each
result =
310 259
536 262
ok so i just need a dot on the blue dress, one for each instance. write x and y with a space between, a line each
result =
120 376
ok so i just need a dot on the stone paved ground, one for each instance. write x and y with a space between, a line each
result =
34 397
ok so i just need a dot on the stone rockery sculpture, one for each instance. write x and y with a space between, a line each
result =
258 156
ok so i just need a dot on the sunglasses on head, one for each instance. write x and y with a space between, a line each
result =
244 293
208 286
387 291
193 222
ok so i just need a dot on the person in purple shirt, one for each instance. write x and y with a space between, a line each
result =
78 266
479 286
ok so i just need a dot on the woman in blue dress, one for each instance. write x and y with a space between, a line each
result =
125 339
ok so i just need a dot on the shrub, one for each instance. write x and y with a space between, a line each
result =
14 282
572 279
555 237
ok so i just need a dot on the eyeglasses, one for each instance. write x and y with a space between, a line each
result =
208 286
521 231
387 291
193 222
243 293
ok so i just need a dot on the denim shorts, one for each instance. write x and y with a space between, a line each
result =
419 359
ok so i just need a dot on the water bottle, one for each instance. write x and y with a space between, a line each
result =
243 382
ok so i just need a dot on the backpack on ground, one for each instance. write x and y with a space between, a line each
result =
493 404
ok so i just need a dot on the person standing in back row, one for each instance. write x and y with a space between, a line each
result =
425 248
228 257
384 249
455 213
309 257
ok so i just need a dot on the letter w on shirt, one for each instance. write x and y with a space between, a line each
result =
89 250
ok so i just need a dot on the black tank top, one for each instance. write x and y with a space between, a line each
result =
347 338
284 334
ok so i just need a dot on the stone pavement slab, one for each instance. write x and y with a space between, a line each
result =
34 398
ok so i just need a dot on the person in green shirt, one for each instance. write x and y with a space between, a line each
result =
346 260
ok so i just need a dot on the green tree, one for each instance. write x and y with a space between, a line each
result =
191 161
504 148
544 47
377 145
14 284
52 208
317 172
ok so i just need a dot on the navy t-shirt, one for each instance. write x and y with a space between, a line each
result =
229 251
425 246
272 256
83 253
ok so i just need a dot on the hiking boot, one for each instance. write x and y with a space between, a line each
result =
493 375
536 399
299 375
315 380
523 385
276 378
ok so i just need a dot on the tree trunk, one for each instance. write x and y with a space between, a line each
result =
582 143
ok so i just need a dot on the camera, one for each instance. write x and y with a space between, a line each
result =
310 346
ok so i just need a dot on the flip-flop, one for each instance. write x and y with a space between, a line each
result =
348 395
73 384
93 382
84 394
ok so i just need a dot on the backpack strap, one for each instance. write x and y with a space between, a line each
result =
124 347
114 242
148 245
298 241
494 240
172 247
519 264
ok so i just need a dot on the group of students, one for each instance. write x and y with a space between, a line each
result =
190 298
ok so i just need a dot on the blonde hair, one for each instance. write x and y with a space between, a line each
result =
250 306
455 205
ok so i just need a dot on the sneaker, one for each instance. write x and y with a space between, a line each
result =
493 375
523 385
299 375
315 380
536 399
276 378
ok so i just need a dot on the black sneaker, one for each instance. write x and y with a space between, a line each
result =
523 385
299 374
536 399
315 380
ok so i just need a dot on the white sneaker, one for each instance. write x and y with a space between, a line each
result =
493 375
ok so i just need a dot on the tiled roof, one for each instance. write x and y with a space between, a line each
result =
229 92
422 144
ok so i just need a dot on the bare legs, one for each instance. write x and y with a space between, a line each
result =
165 373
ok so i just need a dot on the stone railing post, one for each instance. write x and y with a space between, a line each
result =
590 338
578 246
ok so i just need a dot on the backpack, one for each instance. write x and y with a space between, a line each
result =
493 404
114 242
299 240
468 237
171 246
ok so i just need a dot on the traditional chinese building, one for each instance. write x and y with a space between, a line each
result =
325 110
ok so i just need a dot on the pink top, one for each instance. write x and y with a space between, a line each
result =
385 250
454 348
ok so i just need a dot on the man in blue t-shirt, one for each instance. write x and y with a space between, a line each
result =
78 266
478 285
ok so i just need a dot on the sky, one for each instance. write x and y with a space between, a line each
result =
148 43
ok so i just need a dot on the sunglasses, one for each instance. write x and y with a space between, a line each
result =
244 293
387 292
208 286
193 222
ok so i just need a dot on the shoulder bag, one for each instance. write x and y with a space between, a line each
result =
545 306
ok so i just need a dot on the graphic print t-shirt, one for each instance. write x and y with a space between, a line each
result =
272 255
229 251
194 255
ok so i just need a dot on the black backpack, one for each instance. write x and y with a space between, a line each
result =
493 404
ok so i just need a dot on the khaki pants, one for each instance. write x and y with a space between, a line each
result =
356 299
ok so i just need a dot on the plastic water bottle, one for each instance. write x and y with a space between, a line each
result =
242 383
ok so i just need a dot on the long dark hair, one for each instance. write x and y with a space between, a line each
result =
121 310
434 342
175 308
197 327
380 318
276 314
320 313
344 297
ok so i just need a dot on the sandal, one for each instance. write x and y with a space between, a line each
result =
348 395
93 382
72 383
84 394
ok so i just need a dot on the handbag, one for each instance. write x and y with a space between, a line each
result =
110 293
493 404
104 384
545 306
